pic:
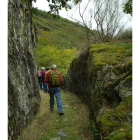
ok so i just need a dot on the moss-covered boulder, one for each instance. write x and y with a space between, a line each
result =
102 78
117 123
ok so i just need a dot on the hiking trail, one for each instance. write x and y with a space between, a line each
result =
48 125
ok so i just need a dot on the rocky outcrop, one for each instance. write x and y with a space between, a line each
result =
23 91
106 89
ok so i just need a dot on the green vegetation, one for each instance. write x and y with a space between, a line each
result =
128 7
56 35
47 53
65 33
126 34
111 53
56 5
46 124
58 40
128 79
117 123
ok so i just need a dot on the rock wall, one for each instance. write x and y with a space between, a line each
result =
107 90
23 91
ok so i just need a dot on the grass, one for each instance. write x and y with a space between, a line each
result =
111 53
75 122
66 33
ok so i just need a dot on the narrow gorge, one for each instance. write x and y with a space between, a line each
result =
101 75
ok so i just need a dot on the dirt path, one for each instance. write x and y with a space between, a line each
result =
46 124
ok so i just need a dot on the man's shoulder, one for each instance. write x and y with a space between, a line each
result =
48 72
58 72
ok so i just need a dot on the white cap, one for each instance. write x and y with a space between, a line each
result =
43 68
53 66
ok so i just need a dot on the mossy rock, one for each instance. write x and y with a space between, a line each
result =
118 69
36 105
128 79
120 134
117 123
107 66
112 53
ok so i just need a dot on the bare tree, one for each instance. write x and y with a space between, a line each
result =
87 24
107 15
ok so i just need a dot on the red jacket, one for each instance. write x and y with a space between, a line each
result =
46 80
43 73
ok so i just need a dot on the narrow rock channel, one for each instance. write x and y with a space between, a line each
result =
48 125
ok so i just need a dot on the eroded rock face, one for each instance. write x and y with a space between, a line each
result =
108 95
23 91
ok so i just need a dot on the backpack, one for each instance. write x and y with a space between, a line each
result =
43 74
39 73
54 79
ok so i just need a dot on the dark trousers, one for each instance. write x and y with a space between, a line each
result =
44 86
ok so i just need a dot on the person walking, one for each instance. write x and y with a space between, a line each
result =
39 75
47 70
46 84
43 77
54 79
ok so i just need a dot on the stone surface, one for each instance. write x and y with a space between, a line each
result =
104 75
123 89
60 133
64 106
56 139
23 92
65 120
69 98
57 121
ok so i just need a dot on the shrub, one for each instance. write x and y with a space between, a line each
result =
126 34
47 52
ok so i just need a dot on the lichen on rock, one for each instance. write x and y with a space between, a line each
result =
22 80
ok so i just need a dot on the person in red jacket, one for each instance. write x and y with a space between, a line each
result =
54 91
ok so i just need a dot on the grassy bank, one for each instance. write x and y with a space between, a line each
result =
45 125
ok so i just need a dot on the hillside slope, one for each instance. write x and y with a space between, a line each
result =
66 34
